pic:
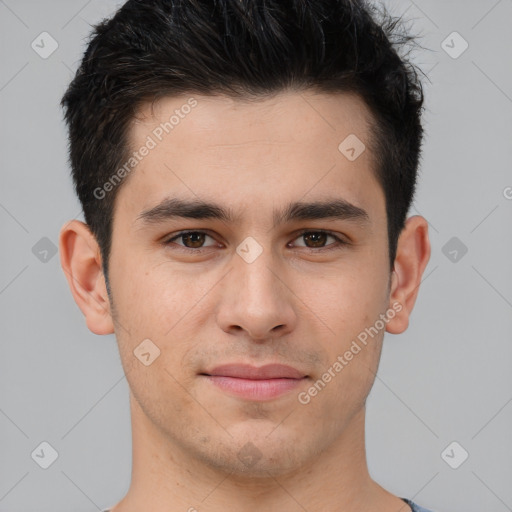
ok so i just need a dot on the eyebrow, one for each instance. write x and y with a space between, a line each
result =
171 208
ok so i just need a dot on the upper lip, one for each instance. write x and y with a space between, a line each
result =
268 371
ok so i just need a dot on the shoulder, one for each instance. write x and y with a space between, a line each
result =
414 506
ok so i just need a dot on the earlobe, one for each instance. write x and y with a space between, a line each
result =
412 256
81 262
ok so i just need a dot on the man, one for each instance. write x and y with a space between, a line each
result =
245 169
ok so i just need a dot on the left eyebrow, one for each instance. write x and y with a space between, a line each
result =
336 209
172 207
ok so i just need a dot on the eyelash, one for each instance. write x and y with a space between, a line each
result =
336 245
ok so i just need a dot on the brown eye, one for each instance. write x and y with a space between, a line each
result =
195 239
191 239
318 240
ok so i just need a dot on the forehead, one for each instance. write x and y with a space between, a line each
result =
282 118
248 154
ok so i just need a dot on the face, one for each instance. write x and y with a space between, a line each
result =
248 282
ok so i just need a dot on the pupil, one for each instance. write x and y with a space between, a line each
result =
192 235
315 236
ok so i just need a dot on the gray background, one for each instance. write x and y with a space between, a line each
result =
447 378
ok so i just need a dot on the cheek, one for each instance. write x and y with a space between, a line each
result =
153 313
350 307
149 297
347 377
348 299
163 305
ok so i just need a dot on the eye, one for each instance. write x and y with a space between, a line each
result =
319 238
191 239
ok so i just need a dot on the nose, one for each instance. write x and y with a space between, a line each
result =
256 300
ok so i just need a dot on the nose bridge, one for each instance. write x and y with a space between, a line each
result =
255 298
256 274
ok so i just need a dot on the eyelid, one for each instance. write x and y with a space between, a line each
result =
340 241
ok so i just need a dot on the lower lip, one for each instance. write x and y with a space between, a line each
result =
252 389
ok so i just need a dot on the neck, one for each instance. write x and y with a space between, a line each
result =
168 478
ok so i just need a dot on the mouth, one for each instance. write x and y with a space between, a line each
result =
252 383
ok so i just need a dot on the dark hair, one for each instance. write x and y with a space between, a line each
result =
245 49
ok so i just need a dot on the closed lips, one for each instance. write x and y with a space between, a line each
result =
243 371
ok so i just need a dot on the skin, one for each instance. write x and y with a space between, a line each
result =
291 305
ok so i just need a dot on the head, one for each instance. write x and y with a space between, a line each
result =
245 105
150 50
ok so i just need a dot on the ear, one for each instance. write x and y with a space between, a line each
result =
412 256
80 259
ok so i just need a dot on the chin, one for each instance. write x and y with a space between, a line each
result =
262 452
